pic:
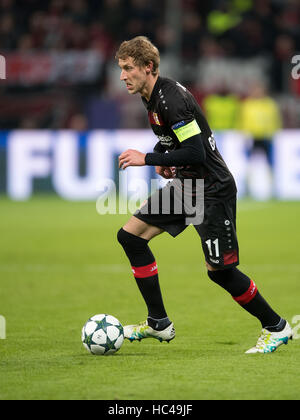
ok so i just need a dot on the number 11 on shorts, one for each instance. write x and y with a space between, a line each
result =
209 243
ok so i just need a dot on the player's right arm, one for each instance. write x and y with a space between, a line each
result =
191 152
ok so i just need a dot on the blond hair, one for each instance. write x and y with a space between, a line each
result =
142 51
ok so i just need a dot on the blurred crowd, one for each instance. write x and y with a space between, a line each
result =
210 29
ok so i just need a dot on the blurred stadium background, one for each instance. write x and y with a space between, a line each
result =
236 56
64 118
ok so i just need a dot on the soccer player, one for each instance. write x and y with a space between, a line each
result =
186 150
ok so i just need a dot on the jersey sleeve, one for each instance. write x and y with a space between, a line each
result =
176 112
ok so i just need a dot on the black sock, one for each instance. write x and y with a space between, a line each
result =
244 291
262 310
276 328
150 290
145 272
158 324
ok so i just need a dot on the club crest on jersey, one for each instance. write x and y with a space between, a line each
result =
155 118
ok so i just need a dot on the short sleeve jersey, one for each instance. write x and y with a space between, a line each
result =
174 116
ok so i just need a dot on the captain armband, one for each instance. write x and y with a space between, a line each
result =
185 130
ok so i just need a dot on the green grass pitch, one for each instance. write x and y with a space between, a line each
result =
60 263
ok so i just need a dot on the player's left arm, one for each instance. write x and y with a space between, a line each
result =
191 152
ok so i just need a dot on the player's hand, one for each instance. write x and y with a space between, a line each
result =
131 158
165 171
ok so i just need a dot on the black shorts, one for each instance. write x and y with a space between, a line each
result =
217 230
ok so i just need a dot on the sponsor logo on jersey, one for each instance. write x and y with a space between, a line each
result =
166 140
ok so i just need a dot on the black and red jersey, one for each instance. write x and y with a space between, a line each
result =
176 118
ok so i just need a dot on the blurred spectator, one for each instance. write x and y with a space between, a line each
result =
222 18
266 30
78 122
79 12
25 43
8 32
101 40
192 31
29 123
260 118
142 18
288 18
113 15
165 37
209 47
222 110
263 14
284 48
37 28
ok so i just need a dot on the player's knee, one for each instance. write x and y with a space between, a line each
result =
210 267
219 276
231 279
121 236
124 238
130 241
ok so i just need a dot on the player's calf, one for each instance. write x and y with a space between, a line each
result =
145 271
244 291
276 331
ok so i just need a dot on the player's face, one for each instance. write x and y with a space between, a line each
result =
133 76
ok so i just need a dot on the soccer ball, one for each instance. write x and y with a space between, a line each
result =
102 334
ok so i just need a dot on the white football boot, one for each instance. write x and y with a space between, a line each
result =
269 341
143 330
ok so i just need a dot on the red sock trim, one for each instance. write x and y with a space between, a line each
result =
248 295
145 271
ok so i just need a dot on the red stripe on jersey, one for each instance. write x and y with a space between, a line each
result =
230 257
247 296
155 118
145 271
